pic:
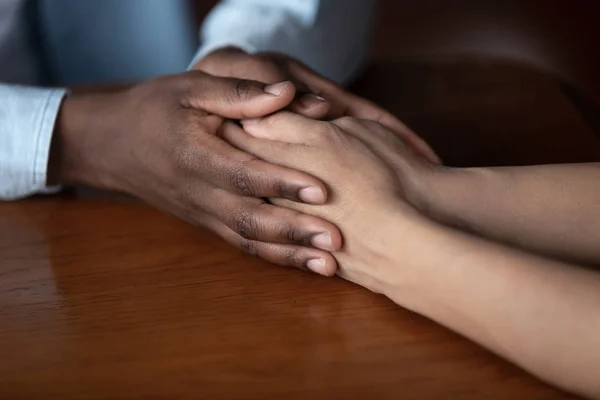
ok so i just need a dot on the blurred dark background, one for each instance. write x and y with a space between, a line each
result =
558 36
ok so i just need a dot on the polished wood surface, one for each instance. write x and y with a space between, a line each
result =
104 298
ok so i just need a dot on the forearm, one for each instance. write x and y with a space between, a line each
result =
540 314
553 210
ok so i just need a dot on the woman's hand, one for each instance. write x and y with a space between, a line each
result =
366 193
540 314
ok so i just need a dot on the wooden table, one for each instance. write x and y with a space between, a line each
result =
105 298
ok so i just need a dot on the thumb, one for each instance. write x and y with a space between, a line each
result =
237 98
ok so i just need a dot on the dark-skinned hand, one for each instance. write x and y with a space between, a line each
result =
160 141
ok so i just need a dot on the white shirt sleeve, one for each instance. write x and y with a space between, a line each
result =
27 118
331 36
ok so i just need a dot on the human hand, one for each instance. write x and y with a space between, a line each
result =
366 196
159 141
458 280
317 97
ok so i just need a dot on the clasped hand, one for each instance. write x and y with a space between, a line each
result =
161 141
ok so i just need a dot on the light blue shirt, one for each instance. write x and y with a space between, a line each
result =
94 42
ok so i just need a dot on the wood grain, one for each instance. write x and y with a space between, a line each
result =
104 298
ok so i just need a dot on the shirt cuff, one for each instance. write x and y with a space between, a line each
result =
26 128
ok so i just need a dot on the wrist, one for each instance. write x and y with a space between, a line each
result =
393 241
76 156
443 194
417 260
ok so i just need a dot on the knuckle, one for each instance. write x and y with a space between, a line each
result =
182 157
250 181
372 125
329 130
277 120
282 189
346 122
326 133
293 257
271 121
187 195
185 156
187 202
243 90
246 225
248 247
184 89
289 232
240 181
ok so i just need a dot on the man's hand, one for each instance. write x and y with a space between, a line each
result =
317 97
159 141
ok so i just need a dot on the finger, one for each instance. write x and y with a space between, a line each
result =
320 86
254 219
286 127
272 151
265 68
235 98
310 105
381 139
291 155
224 166
318 261
344 103
376 135
236 63
314 81
362 108
306 103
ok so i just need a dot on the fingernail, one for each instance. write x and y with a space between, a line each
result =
276 88
309 100
322 241
312 195
316 265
